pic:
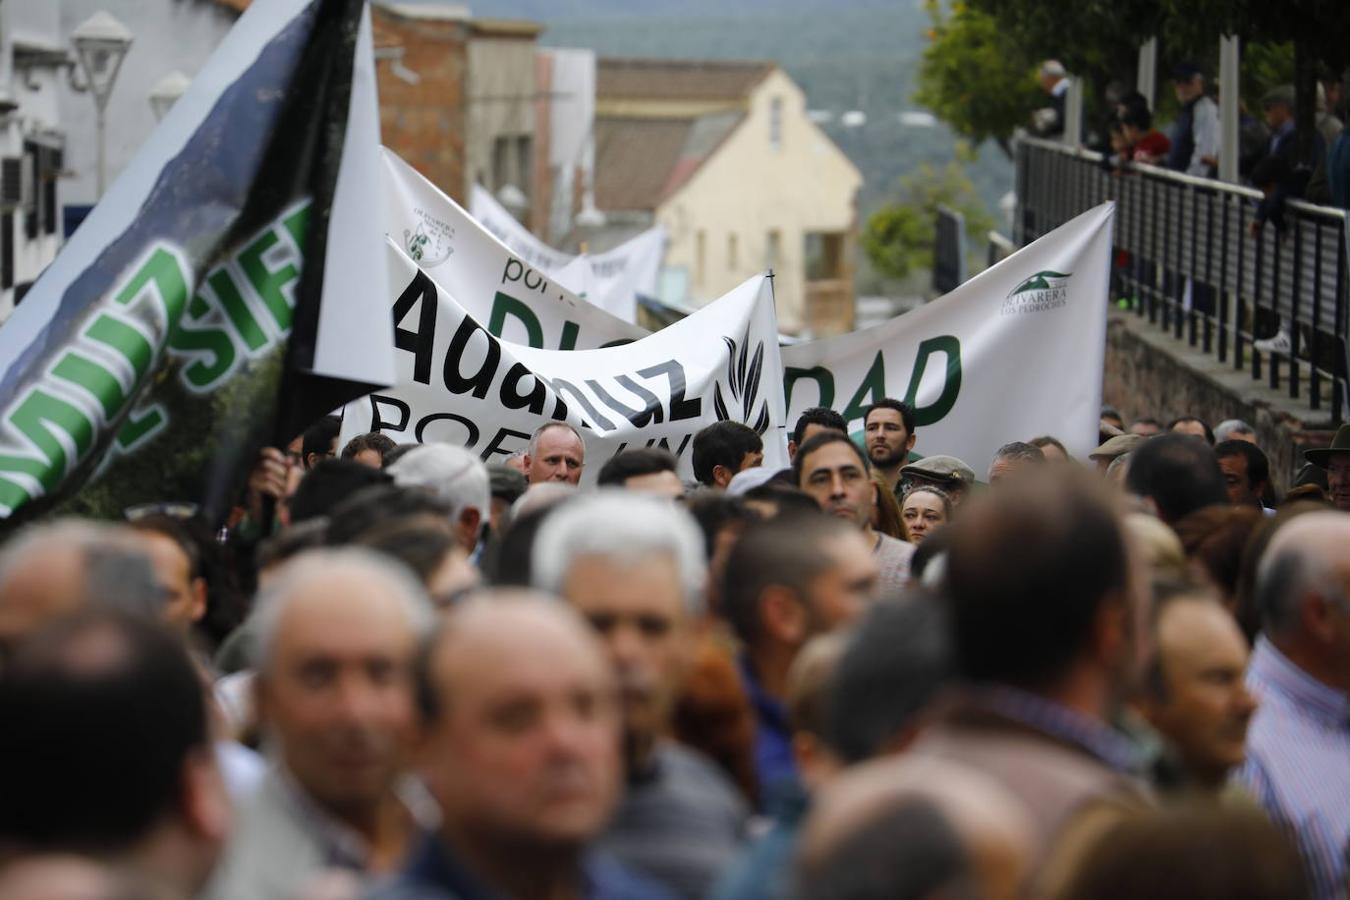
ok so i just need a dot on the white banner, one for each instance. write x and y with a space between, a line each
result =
459 384
1013 353
513 299
611 280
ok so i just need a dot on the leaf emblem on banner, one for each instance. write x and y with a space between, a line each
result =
1041 281
744 373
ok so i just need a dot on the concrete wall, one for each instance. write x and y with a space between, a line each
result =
1148 373
748 189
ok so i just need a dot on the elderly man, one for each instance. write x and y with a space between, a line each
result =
1047 613
1336 461
1300 739
832 469
1014 459
915 827
888 426
556 453
1195 695
456 476
521 720
106 752
337 633
785 582
49 570
633 566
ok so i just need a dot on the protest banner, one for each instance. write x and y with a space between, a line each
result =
459 384
1015 352
514 300
217 298
611 280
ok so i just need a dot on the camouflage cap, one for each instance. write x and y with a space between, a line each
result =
941 468
1117 445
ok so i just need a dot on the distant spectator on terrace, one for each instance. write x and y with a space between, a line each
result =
1195 134
1048 121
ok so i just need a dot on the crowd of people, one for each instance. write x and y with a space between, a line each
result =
399 673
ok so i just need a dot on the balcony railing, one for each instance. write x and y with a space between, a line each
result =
1185 261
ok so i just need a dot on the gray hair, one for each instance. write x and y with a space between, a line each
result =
273 600
1229 427
117 570
453 473
1053 68
624 527
538 432
1293 567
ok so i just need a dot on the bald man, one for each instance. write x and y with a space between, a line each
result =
337 633
521 719
51 570
911 827
1300 670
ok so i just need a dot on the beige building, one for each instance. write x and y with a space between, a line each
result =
723 154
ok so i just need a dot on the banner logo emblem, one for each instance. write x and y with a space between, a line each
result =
743 382
430 244
1047 289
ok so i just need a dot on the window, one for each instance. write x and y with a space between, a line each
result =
501 163
700 257
776 123
824 253
731 252
773 252
524 163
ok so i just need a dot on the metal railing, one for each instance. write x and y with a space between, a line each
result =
1185 261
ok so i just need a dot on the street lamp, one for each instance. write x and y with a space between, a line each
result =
166 92
101 43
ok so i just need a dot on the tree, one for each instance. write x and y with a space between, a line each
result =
970 53
899 237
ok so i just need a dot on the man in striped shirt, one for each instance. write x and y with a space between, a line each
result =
1298 755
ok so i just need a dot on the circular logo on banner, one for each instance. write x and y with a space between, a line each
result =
431 242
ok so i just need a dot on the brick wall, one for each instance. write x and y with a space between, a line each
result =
424 122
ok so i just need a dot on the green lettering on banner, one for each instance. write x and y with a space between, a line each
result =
138 426
92 377
269 284
297 225
873 386
504 305
35 414
571 331
822 376
241 317
127 341
216 341
163 270
951 385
